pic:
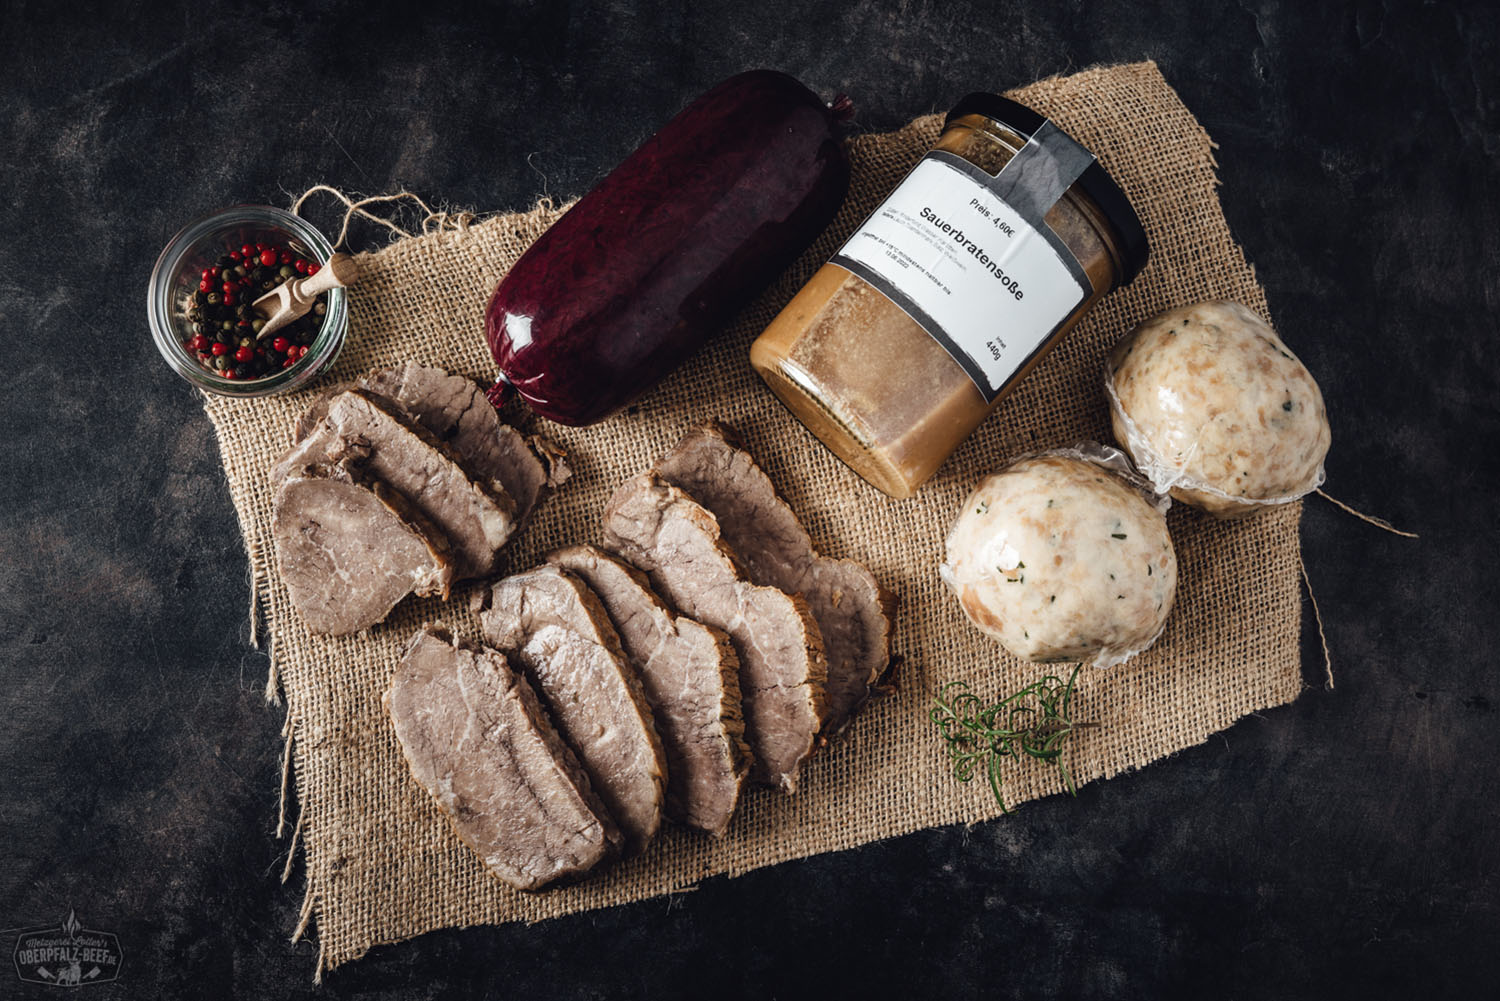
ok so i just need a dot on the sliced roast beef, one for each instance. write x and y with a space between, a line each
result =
318 409
476 515
782 668
350 548
691 679
480 743
554 628
455 410
853 611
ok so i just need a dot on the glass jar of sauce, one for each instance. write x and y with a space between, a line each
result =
982 258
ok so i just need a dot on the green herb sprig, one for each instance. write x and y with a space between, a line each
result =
1033 722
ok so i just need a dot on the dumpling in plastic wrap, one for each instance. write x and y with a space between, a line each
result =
1062 560
1215 409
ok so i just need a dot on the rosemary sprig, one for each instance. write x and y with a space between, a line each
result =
977 734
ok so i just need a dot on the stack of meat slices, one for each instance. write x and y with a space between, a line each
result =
709 644
402 483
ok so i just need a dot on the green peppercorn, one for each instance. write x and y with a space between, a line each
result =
214 298
286 271
320 307
221 362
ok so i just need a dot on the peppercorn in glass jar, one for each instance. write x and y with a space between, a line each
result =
982 258
199 301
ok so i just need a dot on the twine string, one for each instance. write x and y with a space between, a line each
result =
433 220
272 692
291 852
286 774
305 916
1379 523
1317 617
254 608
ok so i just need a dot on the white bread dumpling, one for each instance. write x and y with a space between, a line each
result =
1061 560
1216 410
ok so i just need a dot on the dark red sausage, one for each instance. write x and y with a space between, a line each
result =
697 221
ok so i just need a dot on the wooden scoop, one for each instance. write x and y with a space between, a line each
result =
294 298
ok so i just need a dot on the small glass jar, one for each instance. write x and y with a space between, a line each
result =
950 292
198 246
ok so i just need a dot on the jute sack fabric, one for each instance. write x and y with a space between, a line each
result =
382 864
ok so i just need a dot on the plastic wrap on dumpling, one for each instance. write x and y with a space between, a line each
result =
1064 556
1216 410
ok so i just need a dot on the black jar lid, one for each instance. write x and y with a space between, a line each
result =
1097 184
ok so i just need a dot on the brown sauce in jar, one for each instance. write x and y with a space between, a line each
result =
870 381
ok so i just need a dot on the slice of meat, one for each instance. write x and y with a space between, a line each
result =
350 548
554 628
690 675
480 743
854 612
782 668
455 410
476 516
318 409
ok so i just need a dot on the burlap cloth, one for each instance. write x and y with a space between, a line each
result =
382 864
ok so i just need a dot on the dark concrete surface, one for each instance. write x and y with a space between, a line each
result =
1344 846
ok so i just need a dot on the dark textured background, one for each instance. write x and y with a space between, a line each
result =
1343 846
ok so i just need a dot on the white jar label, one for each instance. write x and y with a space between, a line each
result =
961 260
